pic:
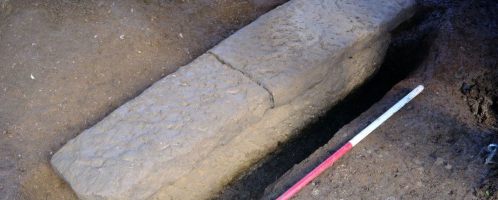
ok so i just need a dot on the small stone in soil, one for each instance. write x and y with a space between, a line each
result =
439 161
448 167
315 192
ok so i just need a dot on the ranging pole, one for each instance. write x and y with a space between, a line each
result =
350 144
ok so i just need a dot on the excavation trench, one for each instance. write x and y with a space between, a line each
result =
409 46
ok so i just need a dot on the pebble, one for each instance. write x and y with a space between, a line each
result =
448 167
315 192
439 161
420 184
233 91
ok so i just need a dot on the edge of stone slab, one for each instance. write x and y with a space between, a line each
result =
93 161
278 125
254 80
284 51
343 135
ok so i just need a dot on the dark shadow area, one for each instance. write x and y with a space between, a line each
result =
410 45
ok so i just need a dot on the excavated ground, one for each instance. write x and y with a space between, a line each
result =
62 69
432 149
65 64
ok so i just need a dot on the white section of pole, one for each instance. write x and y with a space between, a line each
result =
371 127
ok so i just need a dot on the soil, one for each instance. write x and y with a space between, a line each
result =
434 148
65 64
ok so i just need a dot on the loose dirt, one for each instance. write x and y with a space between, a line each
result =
65 64
435 147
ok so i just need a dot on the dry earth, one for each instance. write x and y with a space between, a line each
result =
65 64
435 147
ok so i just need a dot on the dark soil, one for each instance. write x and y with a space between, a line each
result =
407 49
65 64
433 148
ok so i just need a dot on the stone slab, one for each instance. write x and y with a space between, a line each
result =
276 126
159 136
195 130
289 49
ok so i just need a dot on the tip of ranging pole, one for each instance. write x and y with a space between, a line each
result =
355 140
413 93
419 88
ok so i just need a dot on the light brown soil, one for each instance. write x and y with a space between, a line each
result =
434 148
65 64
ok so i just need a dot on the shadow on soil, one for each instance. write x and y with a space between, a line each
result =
410 45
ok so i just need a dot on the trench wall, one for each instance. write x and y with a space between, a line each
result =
197 129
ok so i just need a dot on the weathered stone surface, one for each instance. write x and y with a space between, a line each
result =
277 125
197 129
289 49
159 136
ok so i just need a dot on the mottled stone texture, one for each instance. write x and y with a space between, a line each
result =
159 136
276 126
289 50
195 130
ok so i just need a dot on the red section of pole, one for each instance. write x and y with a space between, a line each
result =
315 172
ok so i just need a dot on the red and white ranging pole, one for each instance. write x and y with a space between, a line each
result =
350 144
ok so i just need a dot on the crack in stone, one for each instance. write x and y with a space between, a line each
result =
272 100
